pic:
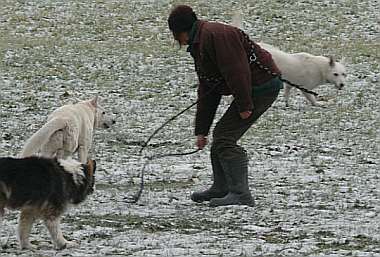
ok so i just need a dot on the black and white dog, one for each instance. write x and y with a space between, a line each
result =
43 188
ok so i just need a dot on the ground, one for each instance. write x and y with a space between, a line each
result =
314 172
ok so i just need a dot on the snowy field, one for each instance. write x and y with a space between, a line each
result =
314 172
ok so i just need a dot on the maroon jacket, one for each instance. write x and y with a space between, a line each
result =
220 55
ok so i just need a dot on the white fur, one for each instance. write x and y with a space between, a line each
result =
306 70
69 129
303 69
75 168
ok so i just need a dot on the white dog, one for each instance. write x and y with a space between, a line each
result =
303 69
306 70
69 129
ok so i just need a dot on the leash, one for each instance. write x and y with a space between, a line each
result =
252 59
145 144
261 66
158 156
137 196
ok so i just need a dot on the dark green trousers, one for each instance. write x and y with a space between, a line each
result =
229 160
230 128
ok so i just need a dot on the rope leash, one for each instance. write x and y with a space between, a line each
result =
137 196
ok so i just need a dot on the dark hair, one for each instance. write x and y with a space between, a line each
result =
181 19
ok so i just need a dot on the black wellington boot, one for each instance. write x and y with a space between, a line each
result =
236 172
219 187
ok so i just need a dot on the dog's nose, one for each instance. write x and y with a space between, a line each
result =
113 121
341 85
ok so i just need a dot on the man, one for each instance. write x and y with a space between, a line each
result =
227 62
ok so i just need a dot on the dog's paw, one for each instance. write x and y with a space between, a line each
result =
66 244
71 244
27 246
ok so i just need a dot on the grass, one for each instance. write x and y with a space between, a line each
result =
313 171
147 224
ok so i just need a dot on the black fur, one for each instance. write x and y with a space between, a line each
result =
34 181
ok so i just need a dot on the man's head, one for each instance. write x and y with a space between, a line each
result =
180 21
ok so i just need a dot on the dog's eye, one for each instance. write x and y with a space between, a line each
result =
344 74
103 113
336 74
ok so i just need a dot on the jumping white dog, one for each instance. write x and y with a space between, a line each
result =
308 71
69 129
303 69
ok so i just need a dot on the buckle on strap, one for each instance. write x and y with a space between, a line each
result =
252 57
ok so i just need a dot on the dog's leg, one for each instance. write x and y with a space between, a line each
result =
82 154
54 146
53 225
287 93
26 219
311 98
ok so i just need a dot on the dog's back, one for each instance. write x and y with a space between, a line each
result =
42 188
300 68
31 181
69 129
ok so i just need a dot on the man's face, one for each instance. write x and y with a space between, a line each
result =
182 38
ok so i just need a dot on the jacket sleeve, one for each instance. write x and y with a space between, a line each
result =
231 59
208 101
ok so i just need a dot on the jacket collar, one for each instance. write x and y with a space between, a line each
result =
194 35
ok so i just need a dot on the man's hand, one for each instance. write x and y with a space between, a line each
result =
245 115
201 141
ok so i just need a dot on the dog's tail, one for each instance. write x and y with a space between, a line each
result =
237 19
42 136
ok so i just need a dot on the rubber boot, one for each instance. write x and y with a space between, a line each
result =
219 187
236 172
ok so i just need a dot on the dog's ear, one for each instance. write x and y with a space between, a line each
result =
331 61
94 101
91 167
237 19
343 61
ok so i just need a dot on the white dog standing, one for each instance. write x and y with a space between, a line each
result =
69 129
306 70
303 69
